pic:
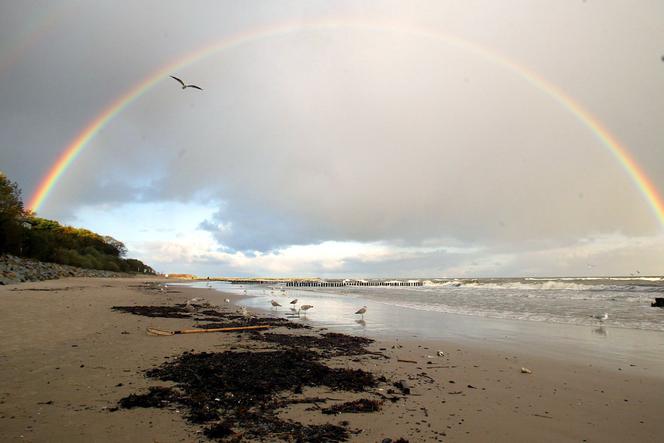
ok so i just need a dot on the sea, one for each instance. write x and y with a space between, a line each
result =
568 300
552 316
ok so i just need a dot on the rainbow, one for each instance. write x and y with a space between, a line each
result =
640 179
36 29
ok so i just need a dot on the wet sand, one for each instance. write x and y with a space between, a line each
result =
67 358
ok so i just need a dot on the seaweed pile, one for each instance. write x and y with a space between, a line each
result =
237 395
177 311
361 405
233 392
232 320
328 345
203 313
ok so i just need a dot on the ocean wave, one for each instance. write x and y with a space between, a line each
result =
550 285
504 314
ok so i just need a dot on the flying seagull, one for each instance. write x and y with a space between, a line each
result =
362 311
185 86
293 302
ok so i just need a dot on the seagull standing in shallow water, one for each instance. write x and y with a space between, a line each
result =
184 85
305 308
274 304
601 317
362 311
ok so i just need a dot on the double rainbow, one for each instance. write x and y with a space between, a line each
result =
635 172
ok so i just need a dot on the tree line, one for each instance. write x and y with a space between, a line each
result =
24 234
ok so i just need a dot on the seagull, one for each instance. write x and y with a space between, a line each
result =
305 308
274 304
189 307
185 86
293 302
227 300
601 317
362 311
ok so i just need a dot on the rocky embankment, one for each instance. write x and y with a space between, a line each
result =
16 270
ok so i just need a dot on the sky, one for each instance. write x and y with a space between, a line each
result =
345 138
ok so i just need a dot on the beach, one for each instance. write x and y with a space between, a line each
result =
68 359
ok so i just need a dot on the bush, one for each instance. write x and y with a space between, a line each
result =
27 235
11 214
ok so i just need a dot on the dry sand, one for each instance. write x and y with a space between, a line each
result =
66 358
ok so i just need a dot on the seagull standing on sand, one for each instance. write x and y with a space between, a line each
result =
189 307
362 311
184 85
274 304
227 300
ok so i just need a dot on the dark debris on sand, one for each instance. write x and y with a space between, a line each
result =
177 311
233 392
328 345
237 395
251 321
156 397
199 313
361 405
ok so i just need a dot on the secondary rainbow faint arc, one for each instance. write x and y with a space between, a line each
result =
637 175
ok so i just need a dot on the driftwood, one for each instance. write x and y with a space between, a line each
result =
405 361
155 331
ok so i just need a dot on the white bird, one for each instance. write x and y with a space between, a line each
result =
601 317
305 308
293 302
184 85
362 311
274 304
228 300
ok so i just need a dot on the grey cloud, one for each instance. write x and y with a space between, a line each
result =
349 134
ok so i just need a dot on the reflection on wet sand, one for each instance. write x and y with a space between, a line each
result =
361 322
601 331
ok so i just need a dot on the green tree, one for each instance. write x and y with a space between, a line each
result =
11 216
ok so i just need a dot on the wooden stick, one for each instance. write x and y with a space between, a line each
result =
154 331
406 361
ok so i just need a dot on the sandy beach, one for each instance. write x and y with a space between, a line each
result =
67 359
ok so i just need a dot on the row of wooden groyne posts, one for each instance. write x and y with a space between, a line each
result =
327 283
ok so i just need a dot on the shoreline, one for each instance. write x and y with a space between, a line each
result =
601 344
62 344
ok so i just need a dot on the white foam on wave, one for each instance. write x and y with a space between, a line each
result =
547 284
